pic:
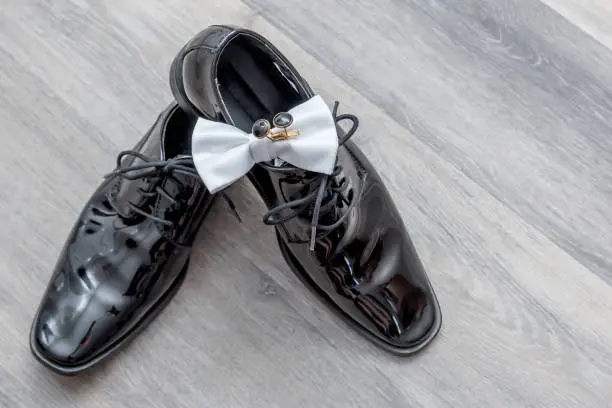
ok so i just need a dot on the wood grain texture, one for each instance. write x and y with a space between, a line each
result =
494 151
592 16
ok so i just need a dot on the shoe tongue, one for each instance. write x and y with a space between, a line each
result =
292 183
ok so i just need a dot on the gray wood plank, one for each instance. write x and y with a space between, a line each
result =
592 16
525 323
510 92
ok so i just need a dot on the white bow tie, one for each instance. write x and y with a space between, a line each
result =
222 153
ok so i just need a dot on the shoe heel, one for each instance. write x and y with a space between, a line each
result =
177 88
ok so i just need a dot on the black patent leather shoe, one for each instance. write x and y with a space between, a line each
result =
128 252
340 233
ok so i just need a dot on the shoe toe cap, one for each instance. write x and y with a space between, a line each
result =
404 319
65 338
73 325
417 325
398 297
53 347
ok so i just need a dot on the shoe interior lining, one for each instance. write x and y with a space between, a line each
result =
177 137
251 85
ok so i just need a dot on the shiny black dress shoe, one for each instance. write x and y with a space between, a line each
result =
340 233
127 254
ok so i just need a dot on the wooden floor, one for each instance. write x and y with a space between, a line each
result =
491 122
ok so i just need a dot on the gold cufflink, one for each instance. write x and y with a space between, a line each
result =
261 128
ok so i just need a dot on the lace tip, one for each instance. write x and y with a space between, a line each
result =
313 237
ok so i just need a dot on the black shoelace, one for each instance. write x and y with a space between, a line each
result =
151 168
323 186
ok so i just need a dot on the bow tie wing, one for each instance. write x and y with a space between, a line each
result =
220 153
316 148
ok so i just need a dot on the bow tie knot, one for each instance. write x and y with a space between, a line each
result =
222 153
263 150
